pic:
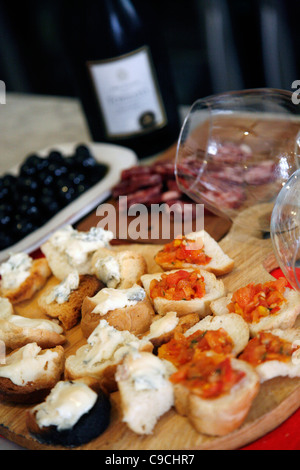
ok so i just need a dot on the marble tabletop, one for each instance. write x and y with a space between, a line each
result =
29 123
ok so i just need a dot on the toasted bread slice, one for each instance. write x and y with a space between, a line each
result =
236 328
221 415
136 318
163 328
289 366
118 270
69 312
17 331
214 289
69 249
39 273
283 319
143 382
105 349
6 308
29 373
72 414
219 263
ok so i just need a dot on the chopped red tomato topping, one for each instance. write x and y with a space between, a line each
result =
208 376
267 347
182 250
181 285
258 300
181 349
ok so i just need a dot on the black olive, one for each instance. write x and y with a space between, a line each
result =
22 226
6 240
4 194
9 181
6 221
97 174
55 157
46 178
82 150
28 184
32 165
6 208
76 178
29 211
49 205
28 198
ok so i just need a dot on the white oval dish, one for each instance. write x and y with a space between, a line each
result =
117 158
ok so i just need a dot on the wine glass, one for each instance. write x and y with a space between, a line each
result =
285 229
236 150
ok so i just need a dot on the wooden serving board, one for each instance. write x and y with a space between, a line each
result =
276 401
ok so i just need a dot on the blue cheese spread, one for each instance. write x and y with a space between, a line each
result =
65 405
77 245
15 270
110 299
61 293
105 346
108 271
146 371
27 365
163 325
34 323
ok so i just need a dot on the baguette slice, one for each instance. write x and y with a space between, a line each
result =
119 270
29 373
39 273
136 318
17 331
222 415
214 289
274 368
6 308
69 313
106 348
145 391
73 413
236 328
284 319
219 264
68 249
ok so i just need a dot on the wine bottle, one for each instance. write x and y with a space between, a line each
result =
122 75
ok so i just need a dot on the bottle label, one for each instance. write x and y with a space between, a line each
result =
128 94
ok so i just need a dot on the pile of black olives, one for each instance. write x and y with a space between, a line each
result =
42 188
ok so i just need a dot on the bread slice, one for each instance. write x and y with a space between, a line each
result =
145 391
219 264
136 318
236 328
275 368
6 308
39 273
284 319
17 331
163 328
69 312
105 349
29 373
214 289
68 249
221 415
73 413
118 270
